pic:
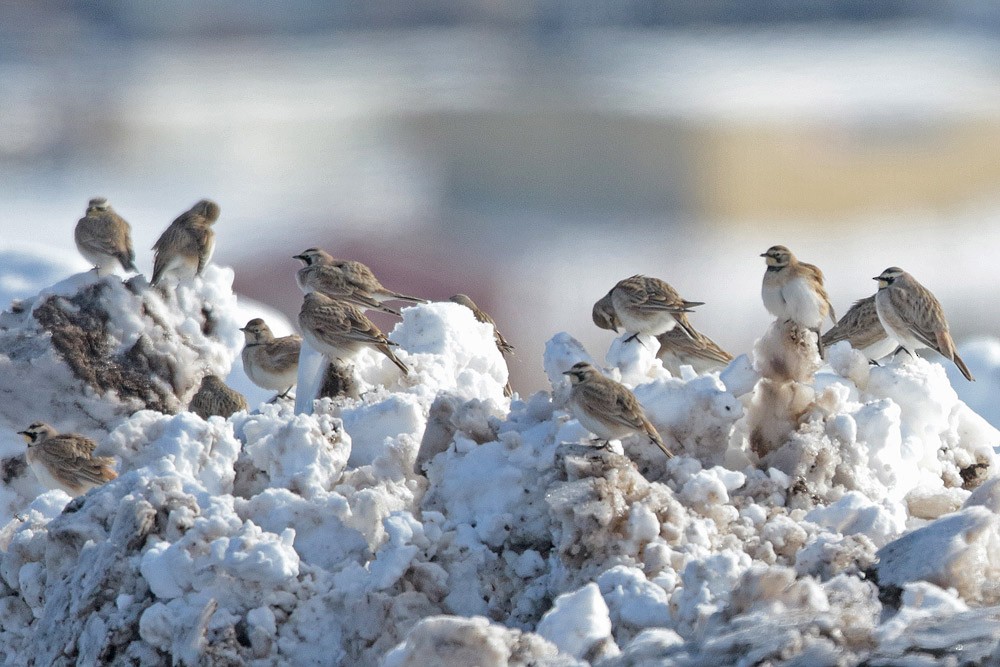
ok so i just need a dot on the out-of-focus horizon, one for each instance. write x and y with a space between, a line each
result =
528 153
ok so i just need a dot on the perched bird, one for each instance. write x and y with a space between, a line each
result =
346 280
647 305
678 348
270 363
339 330
604 315
214 397
186 245
104 238
861 327
913 316
793 290
606 408
482 316
66 461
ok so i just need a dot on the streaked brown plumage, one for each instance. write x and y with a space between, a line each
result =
270 363
339 330
646 305
66 461
914 317
186 246
215 398
606 408
104 238
861 327
346 280
482 316
678 347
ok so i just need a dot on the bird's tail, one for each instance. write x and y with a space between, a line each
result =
962 367
655 438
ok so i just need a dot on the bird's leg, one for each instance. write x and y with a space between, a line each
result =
819 341
634 336
874 362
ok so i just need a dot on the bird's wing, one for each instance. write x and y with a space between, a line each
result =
921 312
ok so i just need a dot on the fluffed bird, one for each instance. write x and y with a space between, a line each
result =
678 348
793 291
647 305
606 408
861 327
914 317
339 330
104 238
345 279
482 316
66 461
215 398
186 246
270 363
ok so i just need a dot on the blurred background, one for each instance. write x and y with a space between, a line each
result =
530 153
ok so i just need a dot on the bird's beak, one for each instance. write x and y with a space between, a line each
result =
877 278
302 257
22 433
763 254
614 328
569 372
243 329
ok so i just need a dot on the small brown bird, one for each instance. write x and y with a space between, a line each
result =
604 315
104 238
647 305
482 316
270 363
186 246
339 330
861 327
346 280
793 290
678 348
66 461
606 408
215 398
914 317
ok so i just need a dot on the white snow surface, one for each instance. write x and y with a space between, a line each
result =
811 515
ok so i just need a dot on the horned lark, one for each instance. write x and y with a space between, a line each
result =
104 238
215 398
647 305
914 317
339 330
678 348
482 316
66 461
606 408
353 280
604 314
270 363
861 327
793 290
186 245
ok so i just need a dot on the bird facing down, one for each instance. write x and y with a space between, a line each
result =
678 348
270 363
346 280
66 461
215 398
606 408
861 327
793 290
104 238
482 316
604 315
186 245
339 330
913 316
647 305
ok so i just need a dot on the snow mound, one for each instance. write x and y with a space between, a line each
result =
811 515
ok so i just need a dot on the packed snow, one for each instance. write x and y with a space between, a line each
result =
814 513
